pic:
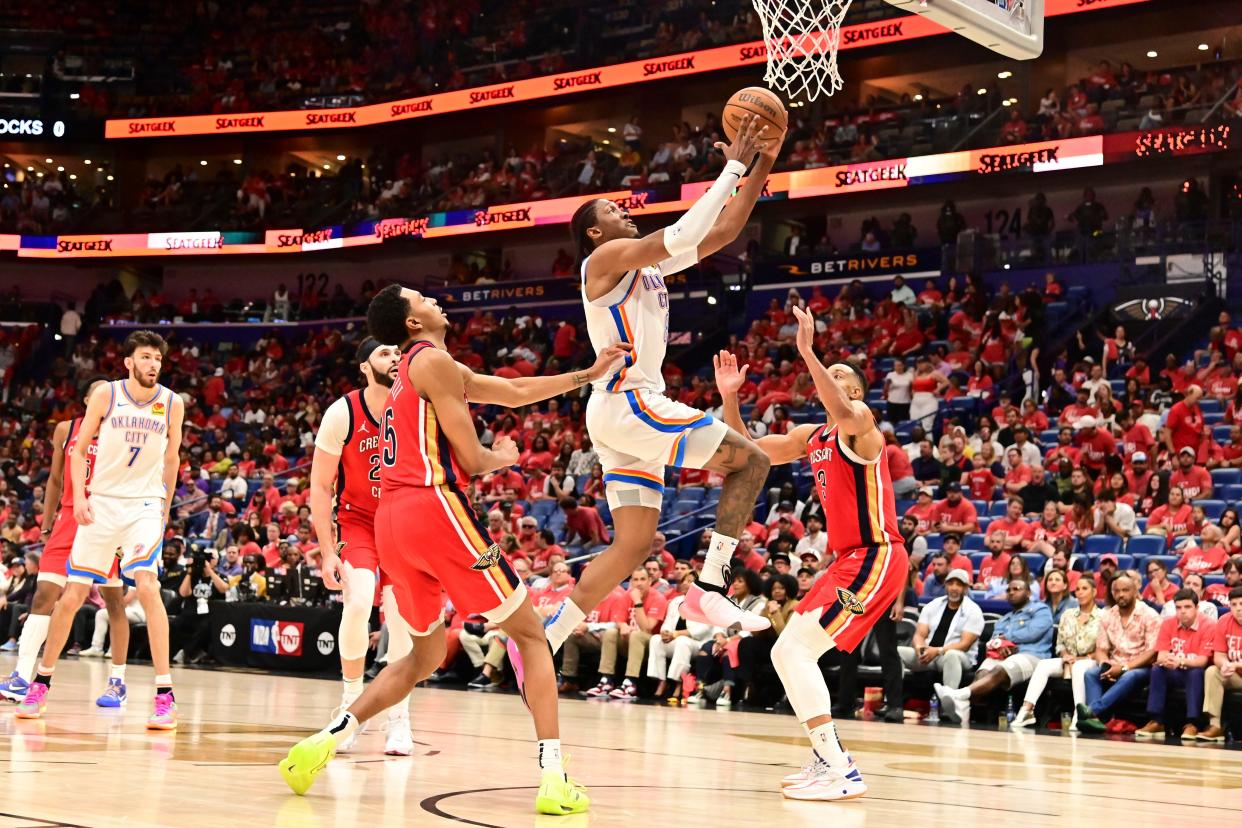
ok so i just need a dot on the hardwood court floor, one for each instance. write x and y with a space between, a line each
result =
644 765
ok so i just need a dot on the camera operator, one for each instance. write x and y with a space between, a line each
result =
251 583
188 629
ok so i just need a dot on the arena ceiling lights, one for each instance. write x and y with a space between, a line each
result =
860 35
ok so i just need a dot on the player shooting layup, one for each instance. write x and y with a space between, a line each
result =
638 431
430 540
58 535
869 573
346 470
121 525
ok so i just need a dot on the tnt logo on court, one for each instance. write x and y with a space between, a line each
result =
277 637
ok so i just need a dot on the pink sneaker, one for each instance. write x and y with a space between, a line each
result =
164 716
719 610
35 702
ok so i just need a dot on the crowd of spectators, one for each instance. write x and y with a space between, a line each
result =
1015 491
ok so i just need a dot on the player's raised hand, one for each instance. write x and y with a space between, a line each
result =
83 513
332 568
729 378
806 330
506 451
609 360
746 143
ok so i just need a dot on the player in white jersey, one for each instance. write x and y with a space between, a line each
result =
634 427
121 525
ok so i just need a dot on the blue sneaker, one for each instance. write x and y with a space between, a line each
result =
14 687
114 696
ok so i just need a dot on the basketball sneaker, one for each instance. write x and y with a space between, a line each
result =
600 691
305 760
114 696
93 652
559 795
628 691
348 745
35 702
400 741
827 784
719 610
807 772
163 713
954 704
14 687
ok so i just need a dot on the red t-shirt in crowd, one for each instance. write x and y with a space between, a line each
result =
1194 483
1036 532
1138 438
655 604
1228 638
963 512
994 566
899 466
923 516
1186 425
1202 561
1059 451
1020 474
1012 531
1149 591
1177 522
582 521
982 483
1178 640
959 561
1095 448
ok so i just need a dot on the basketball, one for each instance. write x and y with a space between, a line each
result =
755 100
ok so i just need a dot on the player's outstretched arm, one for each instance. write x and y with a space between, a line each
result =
441 380
513 393
851 416
780 448
737 212
612 259
55 477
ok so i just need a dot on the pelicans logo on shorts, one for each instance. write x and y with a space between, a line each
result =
849 601
488 559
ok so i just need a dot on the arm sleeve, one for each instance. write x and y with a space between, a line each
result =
334 428
684 237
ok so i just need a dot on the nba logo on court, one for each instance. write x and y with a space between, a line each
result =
277 637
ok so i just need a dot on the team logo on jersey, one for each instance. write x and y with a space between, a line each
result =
157 410
849 601
488 559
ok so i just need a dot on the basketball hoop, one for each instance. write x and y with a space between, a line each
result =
802 37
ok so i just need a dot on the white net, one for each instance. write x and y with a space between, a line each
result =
802 37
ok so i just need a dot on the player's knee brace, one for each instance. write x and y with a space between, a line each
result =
796 659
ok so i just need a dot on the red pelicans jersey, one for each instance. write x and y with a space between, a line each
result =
66 489
415 451
857 496
358 474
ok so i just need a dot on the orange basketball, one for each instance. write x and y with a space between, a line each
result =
757 101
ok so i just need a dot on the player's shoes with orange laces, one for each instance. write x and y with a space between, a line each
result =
164 713
35 702
719 610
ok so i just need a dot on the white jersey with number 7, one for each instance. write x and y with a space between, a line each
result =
132 440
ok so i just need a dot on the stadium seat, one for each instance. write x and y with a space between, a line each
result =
1141 523
685 507
935 541
1211 508
1226 477
902 506
1231 492
1096 545
1210 405
984 521
1048 437
605 513
973 542
543 509
1036 562
1169 561
977 559
1220 433
692 493
998 508
981 507
1145 546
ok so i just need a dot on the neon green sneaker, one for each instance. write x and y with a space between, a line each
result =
559 795
305 760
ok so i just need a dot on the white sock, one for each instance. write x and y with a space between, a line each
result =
550 755
342 727
562 625
33 636
163 681
719 553
118 672
351 690
825 743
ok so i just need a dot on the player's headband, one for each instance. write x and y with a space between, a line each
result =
366 348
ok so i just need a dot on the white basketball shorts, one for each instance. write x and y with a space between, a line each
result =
126 537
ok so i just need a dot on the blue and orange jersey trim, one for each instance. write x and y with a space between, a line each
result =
622 320
636 477
668 425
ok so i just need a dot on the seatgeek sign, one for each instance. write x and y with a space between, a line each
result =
892 173
858 36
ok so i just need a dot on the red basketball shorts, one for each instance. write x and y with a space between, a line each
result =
858 587
430 542
56 550
357 532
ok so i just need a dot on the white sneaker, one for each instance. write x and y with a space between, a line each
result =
719 610
827 784
348 745
724 703
807 772
400 741
92 652
1025 718
954 704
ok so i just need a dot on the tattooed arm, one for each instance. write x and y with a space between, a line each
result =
513 393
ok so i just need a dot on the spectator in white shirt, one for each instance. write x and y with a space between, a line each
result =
1112 517
901 293
234 487
947 637
815 540
897 384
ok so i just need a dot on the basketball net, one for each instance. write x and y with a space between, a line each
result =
802 37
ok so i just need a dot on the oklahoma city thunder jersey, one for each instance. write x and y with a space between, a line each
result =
635 311
133 437
857 497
